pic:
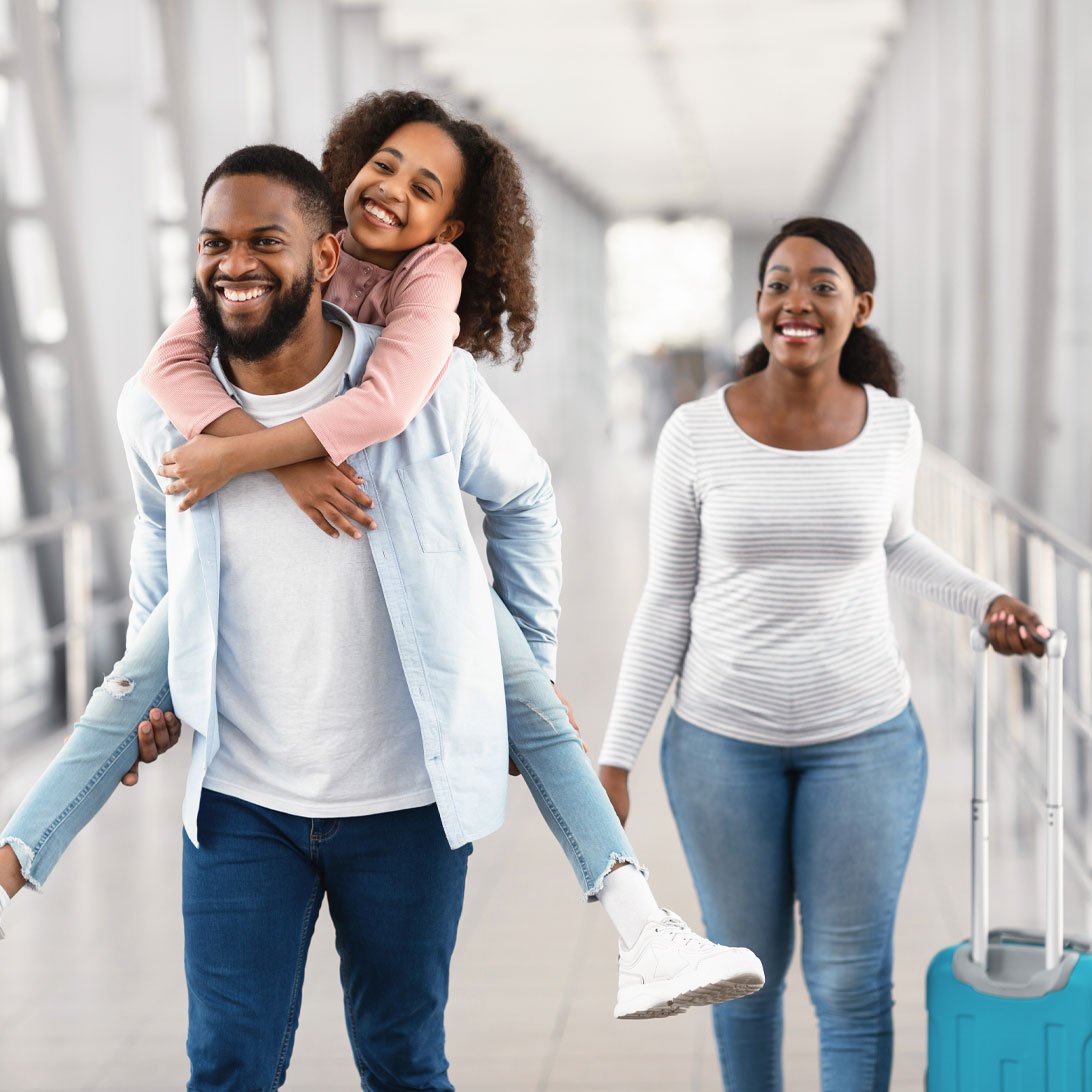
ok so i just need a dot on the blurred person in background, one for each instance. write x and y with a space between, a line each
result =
793 759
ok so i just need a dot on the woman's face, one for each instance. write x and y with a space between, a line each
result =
404 196
807 306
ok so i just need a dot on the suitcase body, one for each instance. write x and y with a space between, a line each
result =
1011 1011
982 1042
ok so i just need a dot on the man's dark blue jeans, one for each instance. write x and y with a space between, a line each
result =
250 898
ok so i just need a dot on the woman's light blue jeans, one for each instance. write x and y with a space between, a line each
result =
103 746
830 825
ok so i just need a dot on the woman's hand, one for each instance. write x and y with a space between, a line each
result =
199 467
616 781
1014 628
329 496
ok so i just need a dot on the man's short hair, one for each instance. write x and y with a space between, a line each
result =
313 197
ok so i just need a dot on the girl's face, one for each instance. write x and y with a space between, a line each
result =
807 305
404 196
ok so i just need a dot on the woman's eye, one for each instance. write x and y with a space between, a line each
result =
384 167
775 286
424 191
825 289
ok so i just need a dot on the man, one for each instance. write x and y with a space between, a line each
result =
345 693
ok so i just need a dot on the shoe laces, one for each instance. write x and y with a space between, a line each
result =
674 926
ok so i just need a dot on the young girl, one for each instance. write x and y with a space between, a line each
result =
437 247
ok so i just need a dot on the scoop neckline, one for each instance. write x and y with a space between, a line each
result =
738 428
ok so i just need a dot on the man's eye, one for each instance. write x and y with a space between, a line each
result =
269 242
212 244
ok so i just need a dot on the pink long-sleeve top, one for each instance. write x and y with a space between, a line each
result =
416 303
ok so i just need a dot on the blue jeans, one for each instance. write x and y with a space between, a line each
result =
830 825
250 898
103 746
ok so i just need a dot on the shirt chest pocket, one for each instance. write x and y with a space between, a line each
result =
435 503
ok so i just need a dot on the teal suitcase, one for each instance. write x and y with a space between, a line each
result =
1011 1011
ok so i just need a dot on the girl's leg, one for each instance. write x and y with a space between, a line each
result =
551 757
856 813
103 745
733 803
663 966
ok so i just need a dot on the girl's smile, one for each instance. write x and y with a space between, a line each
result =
404 196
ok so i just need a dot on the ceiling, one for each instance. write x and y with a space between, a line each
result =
734 108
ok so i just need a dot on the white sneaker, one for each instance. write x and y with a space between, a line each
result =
669 968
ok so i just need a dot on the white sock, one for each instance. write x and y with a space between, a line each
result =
629 902
5 901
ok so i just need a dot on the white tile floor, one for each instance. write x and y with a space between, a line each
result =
91 986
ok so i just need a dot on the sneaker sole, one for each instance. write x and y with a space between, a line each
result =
710 993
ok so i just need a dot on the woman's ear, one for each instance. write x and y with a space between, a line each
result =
864 309
327 253
451 230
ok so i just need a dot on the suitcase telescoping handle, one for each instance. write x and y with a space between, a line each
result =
980 806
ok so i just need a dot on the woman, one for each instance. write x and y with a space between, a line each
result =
794 761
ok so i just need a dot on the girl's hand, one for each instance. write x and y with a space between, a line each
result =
329 496
616 781
199 467
1014 628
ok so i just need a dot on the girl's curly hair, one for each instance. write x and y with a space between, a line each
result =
498 238
865 356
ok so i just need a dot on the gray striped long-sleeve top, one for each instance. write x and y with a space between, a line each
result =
767 584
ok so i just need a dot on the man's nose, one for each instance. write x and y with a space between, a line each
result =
237 262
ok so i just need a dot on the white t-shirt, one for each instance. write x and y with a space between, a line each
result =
316 718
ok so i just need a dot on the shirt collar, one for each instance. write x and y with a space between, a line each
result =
360 350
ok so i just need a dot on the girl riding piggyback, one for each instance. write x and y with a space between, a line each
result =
437 248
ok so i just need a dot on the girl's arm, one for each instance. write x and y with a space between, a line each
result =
406 365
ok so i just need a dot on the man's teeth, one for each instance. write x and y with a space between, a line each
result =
381 213
241 297
799 331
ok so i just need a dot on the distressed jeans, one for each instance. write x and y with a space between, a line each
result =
830 825
103 746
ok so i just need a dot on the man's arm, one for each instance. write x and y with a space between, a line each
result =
502 470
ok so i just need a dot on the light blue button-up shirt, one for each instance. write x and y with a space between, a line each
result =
433 581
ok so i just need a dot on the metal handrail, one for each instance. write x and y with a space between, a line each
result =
1000 538
74 529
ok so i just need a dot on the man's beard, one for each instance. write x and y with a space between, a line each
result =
286 312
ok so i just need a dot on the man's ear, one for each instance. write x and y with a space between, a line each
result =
450 231
326 253
864 309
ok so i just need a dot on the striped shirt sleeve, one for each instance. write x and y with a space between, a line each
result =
660 633
917 564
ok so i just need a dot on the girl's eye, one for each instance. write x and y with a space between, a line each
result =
424 191
383 166
825 288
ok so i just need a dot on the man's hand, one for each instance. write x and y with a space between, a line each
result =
330 496
199 467
616 782
1014 628
159 733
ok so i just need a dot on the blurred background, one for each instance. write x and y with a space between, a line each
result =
663 142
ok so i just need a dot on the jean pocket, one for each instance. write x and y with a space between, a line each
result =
435 503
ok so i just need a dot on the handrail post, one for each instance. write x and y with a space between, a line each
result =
78 604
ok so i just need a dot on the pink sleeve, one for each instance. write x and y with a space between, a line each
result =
408 360
177 375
